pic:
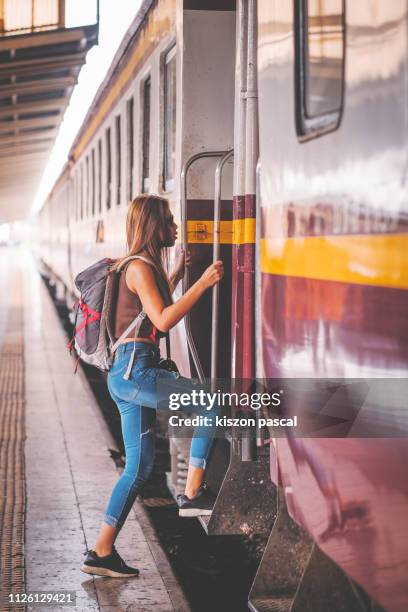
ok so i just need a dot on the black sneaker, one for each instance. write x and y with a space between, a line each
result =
109 565
201 504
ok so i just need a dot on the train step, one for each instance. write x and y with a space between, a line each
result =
291 567
271 604
235 512
204 520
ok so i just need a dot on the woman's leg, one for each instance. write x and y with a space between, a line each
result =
203 437
201 445
138 436
195 477
153 387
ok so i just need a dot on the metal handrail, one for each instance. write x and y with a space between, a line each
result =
185 282
216 256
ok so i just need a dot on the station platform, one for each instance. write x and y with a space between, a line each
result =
56 473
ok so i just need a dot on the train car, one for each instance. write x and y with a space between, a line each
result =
278 132
333 262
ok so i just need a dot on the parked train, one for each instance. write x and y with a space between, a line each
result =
278 131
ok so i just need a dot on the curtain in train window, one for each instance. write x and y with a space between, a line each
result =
324 56
320 64
146 135
169 118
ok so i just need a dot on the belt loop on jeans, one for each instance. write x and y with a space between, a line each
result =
130 364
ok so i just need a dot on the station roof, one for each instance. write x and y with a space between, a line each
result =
38 71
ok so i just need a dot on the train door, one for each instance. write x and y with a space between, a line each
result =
217 195
218 181
208 83
205 112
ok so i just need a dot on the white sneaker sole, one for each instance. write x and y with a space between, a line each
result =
104 571
192 512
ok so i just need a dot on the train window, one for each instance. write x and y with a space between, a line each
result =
130 148
118 159
169 118
320 56
100 175
146 134
93 180
108 168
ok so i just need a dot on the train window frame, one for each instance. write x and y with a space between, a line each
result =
81 190
130 147
87 187
93 174
118 158
310 127
168 56
145 131
78 194
100 163
75 190
108 168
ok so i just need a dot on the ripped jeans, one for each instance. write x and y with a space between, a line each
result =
146 390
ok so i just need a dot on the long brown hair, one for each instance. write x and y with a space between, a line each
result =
146 226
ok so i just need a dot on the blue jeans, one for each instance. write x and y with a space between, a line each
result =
146 390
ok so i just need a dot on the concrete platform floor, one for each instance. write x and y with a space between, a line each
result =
68 471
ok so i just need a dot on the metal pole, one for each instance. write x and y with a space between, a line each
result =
252 129
258 305
185 282
248 449
216 256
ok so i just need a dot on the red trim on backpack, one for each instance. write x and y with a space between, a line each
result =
89 316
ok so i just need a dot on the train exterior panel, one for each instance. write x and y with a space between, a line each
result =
334 264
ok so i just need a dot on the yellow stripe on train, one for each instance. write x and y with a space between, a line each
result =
238 231
379 259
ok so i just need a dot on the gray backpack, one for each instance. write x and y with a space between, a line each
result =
93 337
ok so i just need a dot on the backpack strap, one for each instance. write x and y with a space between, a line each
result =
128 259
168 351
134 325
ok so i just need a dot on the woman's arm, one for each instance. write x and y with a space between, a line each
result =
174 280
140 279
183 261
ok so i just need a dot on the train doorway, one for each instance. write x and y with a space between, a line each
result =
206 176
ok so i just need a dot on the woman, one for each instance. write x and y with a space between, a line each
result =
136 383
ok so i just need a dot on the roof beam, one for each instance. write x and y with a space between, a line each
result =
23 137
58 104
39 85
17 168
42 63
23 149
49 122
42 39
